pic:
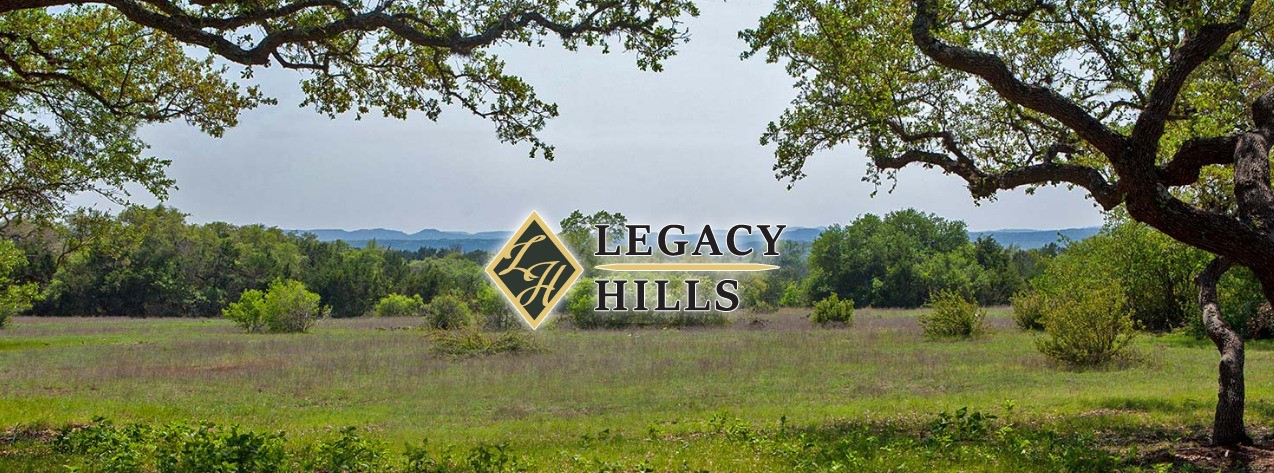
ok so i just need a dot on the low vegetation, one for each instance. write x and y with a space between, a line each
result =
952 315
448 312
833 310
284 307
1087 327
398 305
472 342
618 400
1028 310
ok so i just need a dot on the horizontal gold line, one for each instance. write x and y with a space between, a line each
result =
687 267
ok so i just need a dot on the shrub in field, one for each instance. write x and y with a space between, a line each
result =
285 307
794 295
1087 327
581 299
494 311
249 312
833 309
448 312
952 314
398 305
1028 310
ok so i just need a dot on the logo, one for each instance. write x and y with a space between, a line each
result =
534 270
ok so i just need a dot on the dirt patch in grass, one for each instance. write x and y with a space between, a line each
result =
1202 457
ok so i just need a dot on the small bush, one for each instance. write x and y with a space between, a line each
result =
471 342
347 453
249 312
448 312
483 458
1028 310
285 307
494 310
1087 327
952 315
793 296
398 305
206 448
833 309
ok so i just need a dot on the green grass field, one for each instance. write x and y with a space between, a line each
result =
752 396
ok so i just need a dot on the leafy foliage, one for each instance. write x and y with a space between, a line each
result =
15 297
112 448
1086 324
1028 310
1155 273
81 78
398 305
349 452
448 312
79 82
952 315
151 262
285 307
833 310
896 261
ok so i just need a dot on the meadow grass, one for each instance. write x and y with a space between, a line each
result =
592 400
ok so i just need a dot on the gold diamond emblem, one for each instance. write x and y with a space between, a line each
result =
534 270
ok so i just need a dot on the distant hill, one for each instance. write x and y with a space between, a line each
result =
1029 239
492 240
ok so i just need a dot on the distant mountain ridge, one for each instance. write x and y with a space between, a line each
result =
1031 239
332 234
493 240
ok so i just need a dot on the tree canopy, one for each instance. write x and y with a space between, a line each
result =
1162 107
78 78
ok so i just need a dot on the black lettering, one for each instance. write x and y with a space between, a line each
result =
603 294
728 294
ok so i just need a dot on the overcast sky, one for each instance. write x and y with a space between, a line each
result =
683 143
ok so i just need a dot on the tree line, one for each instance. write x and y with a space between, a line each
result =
151 262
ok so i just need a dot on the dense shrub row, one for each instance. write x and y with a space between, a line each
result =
106 447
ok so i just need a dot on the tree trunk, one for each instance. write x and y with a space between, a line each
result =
1227 426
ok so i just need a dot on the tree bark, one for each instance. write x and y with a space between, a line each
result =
1227 426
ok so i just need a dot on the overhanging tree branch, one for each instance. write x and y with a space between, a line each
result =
1184 167
1197 48
984 184
996 73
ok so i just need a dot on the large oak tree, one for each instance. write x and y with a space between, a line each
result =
78 77
1162 107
